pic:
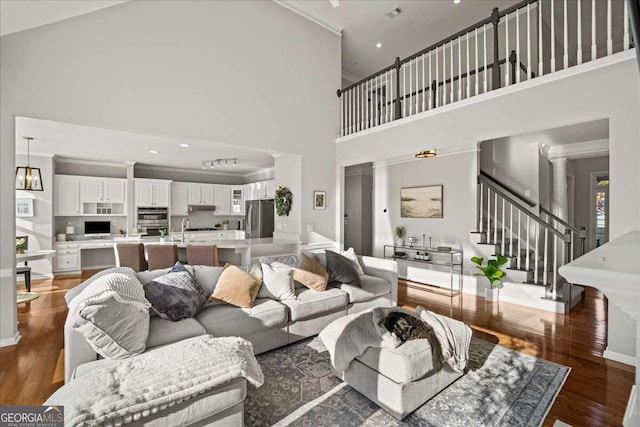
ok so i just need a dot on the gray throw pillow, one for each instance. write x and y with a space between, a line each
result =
290 260
113 329
176 295
341 269
206 276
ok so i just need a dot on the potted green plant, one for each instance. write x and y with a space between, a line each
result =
400 232
20 245
493 273
163 233
225 224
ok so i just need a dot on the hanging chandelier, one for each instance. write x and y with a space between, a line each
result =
28 178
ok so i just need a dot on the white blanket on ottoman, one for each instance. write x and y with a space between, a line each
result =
152 381
348 337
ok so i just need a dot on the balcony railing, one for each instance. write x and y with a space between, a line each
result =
525 41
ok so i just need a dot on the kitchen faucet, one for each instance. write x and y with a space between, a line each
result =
182 226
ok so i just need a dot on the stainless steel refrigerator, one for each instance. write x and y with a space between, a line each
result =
259 215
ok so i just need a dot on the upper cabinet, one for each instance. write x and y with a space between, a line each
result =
202 194
223 200
67 195
260 190
152 192
179 198
81 195
237 200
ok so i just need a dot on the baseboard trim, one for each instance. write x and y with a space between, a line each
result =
619 357
6 342
97 267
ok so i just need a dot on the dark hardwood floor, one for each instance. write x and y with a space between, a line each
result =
595 393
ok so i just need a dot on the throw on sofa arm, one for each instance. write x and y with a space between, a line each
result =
386 269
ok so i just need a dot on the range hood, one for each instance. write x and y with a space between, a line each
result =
202 208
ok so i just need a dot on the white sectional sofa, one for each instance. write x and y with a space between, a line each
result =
268 325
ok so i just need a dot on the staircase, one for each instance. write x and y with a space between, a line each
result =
536 243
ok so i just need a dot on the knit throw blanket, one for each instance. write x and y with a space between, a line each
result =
119 283
141 385
348 337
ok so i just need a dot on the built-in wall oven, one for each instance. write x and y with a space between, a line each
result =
152 220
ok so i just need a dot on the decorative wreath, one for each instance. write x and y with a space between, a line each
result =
283 201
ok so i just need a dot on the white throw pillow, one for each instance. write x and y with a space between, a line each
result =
351 255
277 282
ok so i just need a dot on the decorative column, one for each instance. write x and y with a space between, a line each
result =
559 196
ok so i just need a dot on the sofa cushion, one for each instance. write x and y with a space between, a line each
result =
311 274
176 295
277 282
113 329
206 276
290 260
163 331
311 303
351 255
223 320
236 287
371 287
341 269
406 363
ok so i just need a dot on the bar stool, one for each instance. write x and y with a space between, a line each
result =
130 255
202 255
161 256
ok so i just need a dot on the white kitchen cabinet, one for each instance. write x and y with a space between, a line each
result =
234 234
91 190
202 194
67 257
67 195
179 199
109 193
223 199
115 190
151 192
270 189
237 200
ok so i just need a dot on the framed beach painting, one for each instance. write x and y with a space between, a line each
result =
24 207
421 202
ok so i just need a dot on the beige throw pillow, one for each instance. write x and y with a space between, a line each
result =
311 274
236 287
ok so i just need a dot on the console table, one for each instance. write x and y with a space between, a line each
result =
451 260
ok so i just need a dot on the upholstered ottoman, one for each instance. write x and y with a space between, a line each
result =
399 380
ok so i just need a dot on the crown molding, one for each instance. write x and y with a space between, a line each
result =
324 25
258 172
191 171
90 162
441 152
579 150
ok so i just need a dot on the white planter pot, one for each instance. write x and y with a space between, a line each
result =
163 239
491 294
399 242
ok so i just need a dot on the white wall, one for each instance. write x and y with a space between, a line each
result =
458 176
249 73
607 88
39 227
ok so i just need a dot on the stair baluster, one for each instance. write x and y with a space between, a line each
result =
510 230
535 259
546 258
526 259
503 229
519 254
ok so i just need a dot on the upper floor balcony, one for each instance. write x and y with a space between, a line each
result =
527 41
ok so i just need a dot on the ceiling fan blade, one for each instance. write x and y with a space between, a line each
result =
334 3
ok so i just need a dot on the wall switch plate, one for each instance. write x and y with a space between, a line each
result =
527 193
278 226
309 227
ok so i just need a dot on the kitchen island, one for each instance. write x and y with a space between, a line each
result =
95 254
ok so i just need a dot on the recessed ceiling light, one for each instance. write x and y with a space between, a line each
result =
153 151
378 45
183 145
334 3
456 1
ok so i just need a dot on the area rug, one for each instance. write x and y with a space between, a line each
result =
26 297
502 388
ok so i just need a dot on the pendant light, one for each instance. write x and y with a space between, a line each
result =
28 178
